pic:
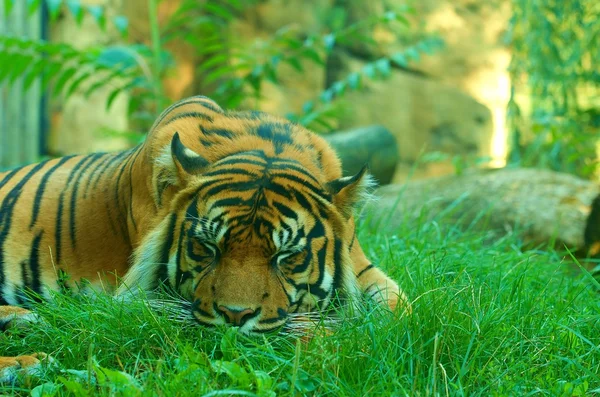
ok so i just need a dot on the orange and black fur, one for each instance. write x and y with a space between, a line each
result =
245 215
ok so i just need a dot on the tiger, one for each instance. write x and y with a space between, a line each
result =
245 215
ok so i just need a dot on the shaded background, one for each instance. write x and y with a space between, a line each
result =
459 84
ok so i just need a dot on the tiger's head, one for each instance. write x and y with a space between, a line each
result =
250 232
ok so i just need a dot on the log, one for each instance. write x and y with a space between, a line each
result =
546 206
374 146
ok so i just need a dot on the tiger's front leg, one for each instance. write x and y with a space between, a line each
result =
374 282
11 368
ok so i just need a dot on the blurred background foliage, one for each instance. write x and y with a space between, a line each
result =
554 111
232 71
552 117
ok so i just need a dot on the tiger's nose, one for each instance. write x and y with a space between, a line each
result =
235 316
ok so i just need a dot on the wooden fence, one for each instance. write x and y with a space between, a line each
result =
21 113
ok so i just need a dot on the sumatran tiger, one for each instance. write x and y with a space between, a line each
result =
243 214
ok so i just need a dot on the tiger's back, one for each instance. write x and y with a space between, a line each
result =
85 216
60 217
246 215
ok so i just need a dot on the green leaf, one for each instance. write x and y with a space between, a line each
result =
390 16
122 24
399 59
313 55
339 87
369 70
383 66
117 380
308 106
76 83
74 387
264 383
218 10
8 5
118 57
413 54
353 80
295 63
65 77
76 9
34 73
32 6
46 389
275 59
271 74
326 96
97 12
234 371
54 8
329 42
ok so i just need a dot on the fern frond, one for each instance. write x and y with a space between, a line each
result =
315 112
62 65
75 8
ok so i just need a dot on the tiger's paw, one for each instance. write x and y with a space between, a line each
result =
13 317
21 368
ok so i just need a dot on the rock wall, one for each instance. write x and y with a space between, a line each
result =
452 101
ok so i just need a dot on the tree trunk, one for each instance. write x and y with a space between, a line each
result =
546 206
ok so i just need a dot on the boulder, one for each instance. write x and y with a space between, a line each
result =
374 146
545 206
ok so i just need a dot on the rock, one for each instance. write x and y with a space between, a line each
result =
423 115
546 206
374 146
475 58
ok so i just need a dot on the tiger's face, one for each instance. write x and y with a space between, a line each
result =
250 238
259 246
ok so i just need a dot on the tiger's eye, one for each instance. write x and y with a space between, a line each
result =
202 251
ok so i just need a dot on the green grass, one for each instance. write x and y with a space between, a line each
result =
489 318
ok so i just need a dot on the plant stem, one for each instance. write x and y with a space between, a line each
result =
156 51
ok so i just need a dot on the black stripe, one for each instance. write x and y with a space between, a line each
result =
223 133
73 208
230 171
366 269
114 159
139 150
25 285
34 265
353 240
337 262
288 166
180 276
91 175
281 316
316 190
9 176
231 202
187 115
6 214
247 115
285 210
304 203
162 272
39 194
61 205
197 100
120 202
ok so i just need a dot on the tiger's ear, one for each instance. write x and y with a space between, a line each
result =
186 160
350 190
175 165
